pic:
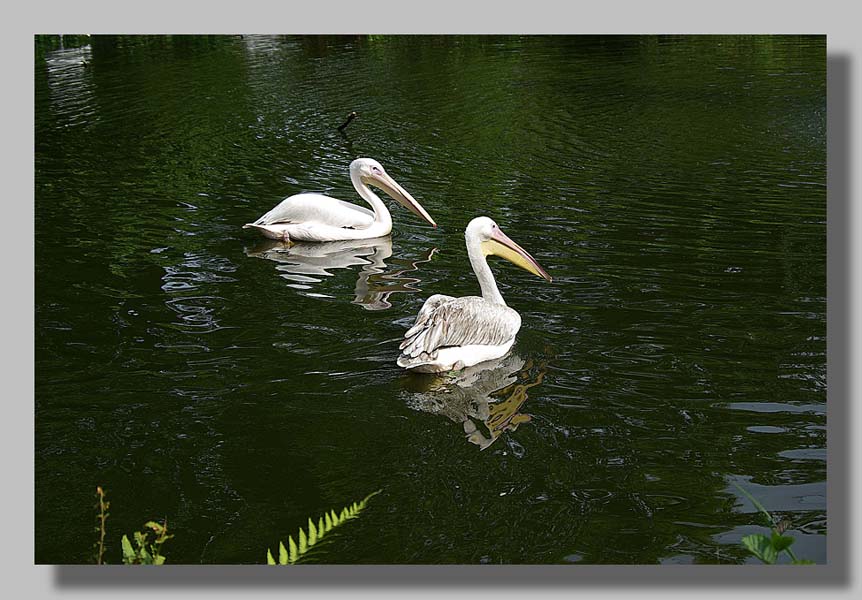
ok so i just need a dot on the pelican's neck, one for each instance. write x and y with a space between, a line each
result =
483 272
381 213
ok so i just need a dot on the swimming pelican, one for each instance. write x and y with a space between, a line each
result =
319 218
453 333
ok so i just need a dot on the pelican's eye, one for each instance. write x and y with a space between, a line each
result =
376 170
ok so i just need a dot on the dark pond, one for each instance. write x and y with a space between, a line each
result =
674 187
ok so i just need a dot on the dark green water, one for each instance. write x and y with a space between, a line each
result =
675 188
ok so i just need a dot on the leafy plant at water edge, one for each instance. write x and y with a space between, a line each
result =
767 548
102 518
146 552
294 552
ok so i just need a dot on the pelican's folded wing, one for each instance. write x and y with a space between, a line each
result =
317 208
459 322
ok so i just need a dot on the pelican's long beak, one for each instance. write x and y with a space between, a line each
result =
402 196
501 245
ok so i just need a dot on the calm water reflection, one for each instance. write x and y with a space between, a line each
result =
486 398
675 188
304 265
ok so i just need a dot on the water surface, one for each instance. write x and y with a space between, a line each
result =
674 188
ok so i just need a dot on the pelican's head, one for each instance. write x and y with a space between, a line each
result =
371 172
491 239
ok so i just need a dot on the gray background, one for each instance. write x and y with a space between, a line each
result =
838 19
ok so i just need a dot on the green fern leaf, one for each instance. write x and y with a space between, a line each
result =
312 533
294 553
316 532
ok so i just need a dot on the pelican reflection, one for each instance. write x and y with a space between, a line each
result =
486 398
306 264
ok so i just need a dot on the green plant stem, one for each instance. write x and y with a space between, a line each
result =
103 515
754 501
769 516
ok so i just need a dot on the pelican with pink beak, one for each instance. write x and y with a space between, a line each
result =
454 333
319 218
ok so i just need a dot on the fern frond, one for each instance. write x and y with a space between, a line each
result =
303 542
294 552
312 533
325 524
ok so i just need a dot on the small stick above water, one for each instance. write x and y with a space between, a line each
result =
350 117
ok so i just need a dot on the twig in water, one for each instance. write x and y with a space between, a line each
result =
350 118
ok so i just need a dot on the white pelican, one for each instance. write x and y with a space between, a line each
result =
453 333
319 218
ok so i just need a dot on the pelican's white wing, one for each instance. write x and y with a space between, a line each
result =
317 208
446 322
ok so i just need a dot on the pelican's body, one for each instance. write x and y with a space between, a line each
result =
319 218
454 333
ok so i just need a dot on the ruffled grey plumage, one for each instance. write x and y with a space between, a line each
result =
445 321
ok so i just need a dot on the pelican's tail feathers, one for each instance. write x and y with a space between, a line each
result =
420 364
270 232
